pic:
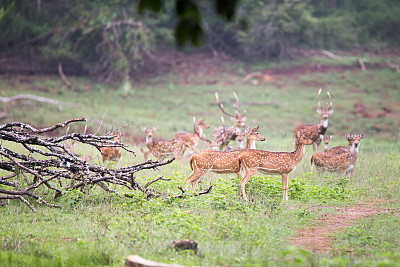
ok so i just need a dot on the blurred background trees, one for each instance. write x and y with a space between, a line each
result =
113 38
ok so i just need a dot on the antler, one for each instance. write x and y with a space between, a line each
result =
319 104
197 132
330 102
221 106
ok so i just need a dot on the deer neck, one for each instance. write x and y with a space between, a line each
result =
149 142
251 144
353 153
323 126
298 153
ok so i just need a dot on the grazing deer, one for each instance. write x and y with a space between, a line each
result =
343 163
110 153
193 138
222 135
282 163
160 149
219 161
316 130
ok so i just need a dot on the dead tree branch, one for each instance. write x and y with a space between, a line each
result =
64 78
52 166
7 100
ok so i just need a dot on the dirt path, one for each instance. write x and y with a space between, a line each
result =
317 239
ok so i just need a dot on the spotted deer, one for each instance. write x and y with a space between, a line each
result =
316 130
219 161
251 137
240 139
193 138
340 149
280 163
326 140
223 134
342 163
110 153
159 149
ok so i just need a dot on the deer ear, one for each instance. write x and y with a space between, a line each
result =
331 137
361 136
154 128
319 111
330 111
144 129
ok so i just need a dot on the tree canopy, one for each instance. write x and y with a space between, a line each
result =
112 38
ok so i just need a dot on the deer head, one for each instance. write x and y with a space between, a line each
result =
149 133
326 139
354 141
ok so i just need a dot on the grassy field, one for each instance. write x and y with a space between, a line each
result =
101 229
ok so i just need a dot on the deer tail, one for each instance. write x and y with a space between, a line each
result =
312 161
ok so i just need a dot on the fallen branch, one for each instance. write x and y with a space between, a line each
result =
51 164
330 55
64 78
7 100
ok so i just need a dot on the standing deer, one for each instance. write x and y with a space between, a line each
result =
193 138
240 139
341 149
326 140
343 163
110 153
251 137
282 163
222 135
219 161
316 130
160 149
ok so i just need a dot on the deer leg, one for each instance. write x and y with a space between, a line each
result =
248 174
193 178
285 186
313 147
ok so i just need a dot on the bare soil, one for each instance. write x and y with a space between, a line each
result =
319 238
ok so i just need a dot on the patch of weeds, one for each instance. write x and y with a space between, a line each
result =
71 197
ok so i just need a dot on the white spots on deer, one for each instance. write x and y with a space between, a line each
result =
110 152
341 162
160 149
316 130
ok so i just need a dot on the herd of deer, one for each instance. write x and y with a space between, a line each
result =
246 161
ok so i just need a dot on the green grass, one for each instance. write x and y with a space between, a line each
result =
97 228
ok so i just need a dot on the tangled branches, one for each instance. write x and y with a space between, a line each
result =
49 163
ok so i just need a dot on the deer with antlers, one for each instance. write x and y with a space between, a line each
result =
159 149
282 163
219 161
110 153
316 130
343 162
193 138
222 135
